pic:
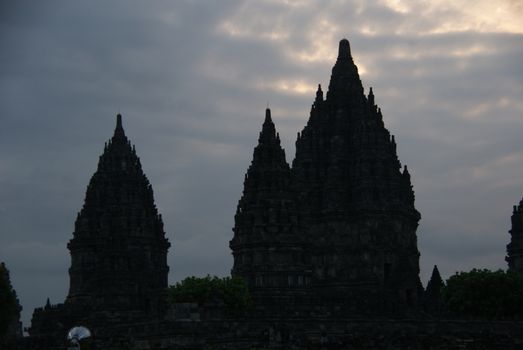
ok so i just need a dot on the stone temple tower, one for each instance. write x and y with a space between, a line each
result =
268 247
515 247
341 223
119 249
356 201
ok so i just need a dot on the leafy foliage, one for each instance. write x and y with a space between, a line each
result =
231 291
485 294
8 302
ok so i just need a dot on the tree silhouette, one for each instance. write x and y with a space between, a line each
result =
9 308
485 294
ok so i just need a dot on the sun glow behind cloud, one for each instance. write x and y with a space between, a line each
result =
480 16
319 48
234 30
444 16
288 86
398 6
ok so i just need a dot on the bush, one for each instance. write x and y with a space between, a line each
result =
485 294
231 291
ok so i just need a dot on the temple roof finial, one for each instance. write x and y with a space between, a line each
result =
119 133
370 97
268 132
268 114
319 94
118 120
344 49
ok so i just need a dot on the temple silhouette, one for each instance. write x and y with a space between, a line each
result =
119 250
340 225
327 248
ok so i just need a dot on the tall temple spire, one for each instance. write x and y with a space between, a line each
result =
347 179
268 162
266 218
119 248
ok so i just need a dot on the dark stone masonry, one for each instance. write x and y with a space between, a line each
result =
327 248
340 226
119 269
119 249
515 247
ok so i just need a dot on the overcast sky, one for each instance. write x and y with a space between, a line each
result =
192 80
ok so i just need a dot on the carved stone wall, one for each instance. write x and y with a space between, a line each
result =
303 334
